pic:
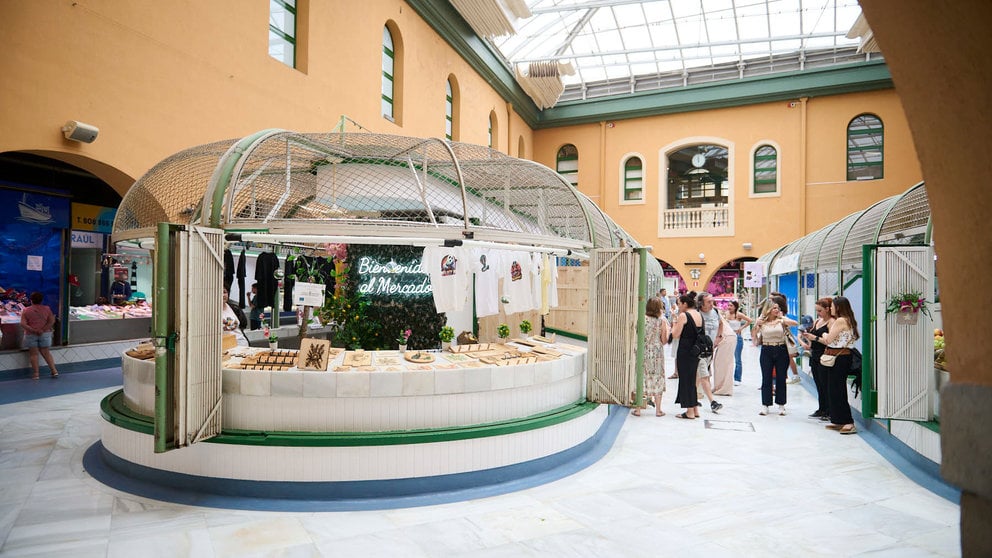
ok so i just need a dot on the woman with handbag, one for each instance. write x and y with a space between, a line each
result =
809 342
839 339
770 333
687 326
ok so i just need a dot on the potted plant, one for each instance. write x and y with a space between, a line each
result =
446 334
907 307
525 327
403 338
273 338
503 331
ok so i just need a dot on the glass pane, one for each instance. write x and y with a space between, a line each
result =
281 49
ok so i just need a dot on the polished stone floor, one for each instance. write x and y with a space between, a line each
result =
731 484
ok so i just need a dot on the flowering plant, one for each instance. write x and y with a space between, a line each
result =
525 326
270 334
404 336
337 252
911 301
503 331
446 334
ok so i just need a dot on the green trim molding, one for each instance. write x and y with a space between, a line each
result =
114 411
814 82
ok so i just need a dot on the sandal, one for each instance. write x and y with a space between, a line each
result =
659 413
684 416
849 429
35 377
636 412
55 374
832 426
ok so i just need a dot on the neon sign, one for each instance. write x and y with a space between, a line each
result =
392 278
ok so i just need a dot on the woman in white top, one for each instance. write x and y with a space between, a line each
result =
839 339
738 321
232 321
769 333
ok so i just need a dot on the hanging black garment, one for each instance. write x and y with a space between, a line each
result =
228 269
267 263
134 275
241 279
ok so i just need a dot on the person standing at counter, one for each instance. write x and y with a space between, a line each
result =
37 321
120 290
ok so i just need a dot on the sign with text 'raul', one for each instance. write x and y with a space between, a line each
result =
390 278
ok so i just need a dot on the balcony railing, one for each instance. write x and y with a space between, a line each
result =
696 221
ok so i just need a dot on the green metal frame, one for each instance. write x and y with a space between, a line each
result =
114 411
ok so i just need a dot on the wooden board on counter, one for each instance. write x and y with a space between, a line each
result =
357 358
472 348
418 357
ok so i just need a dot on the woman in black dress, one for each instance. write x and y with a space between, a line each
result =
817 330
685 329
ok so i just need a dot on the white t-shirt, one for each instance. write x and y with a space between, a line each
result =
449 273
517 283
536 291
487 265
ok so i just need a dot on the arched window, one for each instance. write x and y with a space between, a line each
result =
568 163
493 129
633 179
765 170
282 31
451 109
389 77
865 147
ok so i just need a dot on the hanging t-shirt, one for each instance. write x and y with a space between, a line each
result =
517 282
536 264
552 270
546 284
449 271
486 264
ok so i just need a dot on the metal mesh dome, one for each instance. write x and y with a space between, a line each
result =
908 220
829 257
812 248
364 184
863 232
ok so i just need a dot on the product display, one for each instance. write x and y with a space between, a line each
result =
140 309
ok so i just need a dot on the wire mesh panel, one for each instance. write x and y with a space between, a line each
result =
863 232
812 248
172 191
613 317
830 250
383 180
907 221
904 340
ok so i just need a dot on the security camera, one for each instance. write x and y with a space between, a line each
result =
78 131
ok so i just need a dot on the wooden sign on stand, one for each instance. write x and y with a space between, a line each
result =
314 354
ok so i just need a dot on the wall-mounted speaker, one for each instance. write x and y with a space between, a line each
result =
78 131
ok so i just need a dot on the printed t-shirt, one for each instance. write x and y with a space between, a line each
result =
517 282
486 264
449 272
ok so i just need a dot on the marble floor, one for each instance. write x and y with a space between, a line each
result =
732 484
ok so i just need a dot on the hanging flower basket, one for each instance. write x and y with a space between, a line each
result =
907 307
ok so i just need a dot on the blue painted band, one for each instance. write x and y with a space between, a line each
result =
195 490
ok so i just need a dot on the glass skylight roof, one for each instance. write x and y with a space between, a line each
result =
624 46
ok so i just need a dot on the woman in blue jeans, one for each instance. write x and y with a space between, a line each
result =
738 321
769 334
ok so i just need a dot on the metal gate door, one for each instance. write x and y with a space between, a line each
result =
903 353
188 395
613 326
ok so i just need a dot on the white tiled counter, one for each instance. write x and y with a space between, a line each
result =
379 400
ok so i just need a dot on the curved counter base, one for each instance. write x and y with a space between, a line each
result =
331 472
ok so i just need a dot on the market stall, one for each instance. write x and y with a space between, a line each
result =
384 241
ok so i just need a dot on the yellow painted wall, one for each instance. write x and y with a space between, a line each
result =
158 77
813 153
